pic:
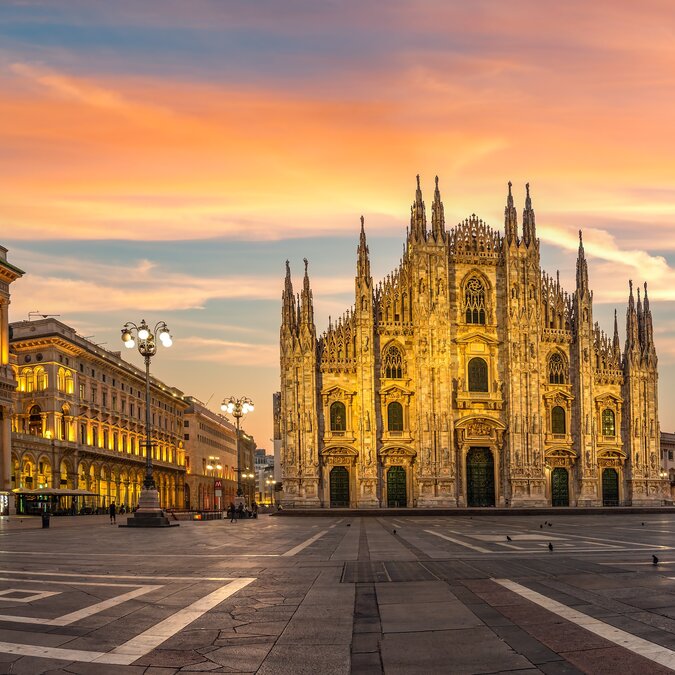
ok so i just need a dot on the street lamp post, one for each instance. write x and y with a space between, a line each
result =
238 407
149 513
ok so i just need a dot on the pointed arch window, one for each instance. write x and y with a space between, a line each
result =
392 363
558 420
478 375
338 416
61 380
474 301
608 423
557 369
395 416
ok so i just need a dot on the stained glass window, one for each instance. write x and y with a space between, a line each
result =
478 375
557 371
608 423
474 301
395 416
558 421
338 417
392 363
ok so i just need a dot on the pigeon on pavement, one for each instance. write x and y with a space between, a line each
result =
655 560
550 546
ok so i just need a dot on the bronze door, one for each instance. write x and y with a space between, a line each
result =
339 487
480 477
560 487
396 487
610 487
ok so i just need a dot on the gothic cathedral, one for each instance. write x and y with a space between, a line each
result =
467 377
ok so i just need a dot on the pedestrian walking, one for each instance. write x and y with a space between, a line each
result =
254 508
240 510
232 512
112 510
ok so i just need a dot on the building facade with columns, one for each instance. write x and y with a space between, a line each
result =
468 377
79 420
211 458
8 274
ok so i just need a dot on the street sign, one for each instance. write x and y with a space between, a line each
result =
218 483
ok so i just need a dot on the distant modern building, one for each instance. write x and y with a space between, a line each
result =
8 274
467 377
79 422
211 458
264 471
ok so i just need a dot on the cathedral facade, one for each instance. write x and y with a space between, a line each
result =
467 377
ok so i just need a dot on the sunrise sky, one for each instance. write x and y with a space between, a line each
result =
162 159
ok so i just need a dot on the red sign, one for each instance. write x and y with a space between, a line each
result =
218 483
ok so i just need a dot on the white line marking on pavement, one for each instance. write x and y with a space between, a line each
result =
139 646
637 645
67 619
305 544
457 541
135 648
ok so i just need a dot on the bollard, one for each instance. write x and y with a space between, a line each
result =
45 520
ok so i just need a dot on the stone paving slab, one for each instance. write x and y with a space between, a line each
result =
413 604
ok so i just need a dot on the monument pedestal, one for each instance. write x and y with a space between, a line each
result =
148 513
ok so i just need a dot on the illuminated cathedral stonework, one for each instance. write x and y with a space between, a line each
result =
467 377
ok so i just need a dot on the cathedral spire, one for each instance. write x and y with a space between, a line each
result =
640 321
437 216
648 326
510 219
288 314
529 229
363 259
632 340
582 267
418 218
616 346
307 303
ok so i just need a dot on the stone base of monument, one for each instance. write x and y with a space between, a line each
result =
148 513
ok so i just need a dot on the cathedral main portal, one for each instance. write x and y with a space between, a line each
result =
560 487
480 477
397 496
339 487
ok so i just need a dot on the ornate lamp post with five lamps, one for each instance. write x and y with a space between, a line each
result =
149 513
238 407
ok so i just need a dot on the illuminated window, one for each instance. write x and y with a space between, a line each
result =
392 363
608 423
27 377
338 417
35 421
70 385
474 301
558 421
395 416
40 379
557 371
478 375
61 380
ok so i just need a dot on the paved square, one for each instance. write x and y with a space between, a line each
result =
334 594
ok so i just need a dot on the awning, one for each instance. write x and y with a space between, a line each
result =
55 492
